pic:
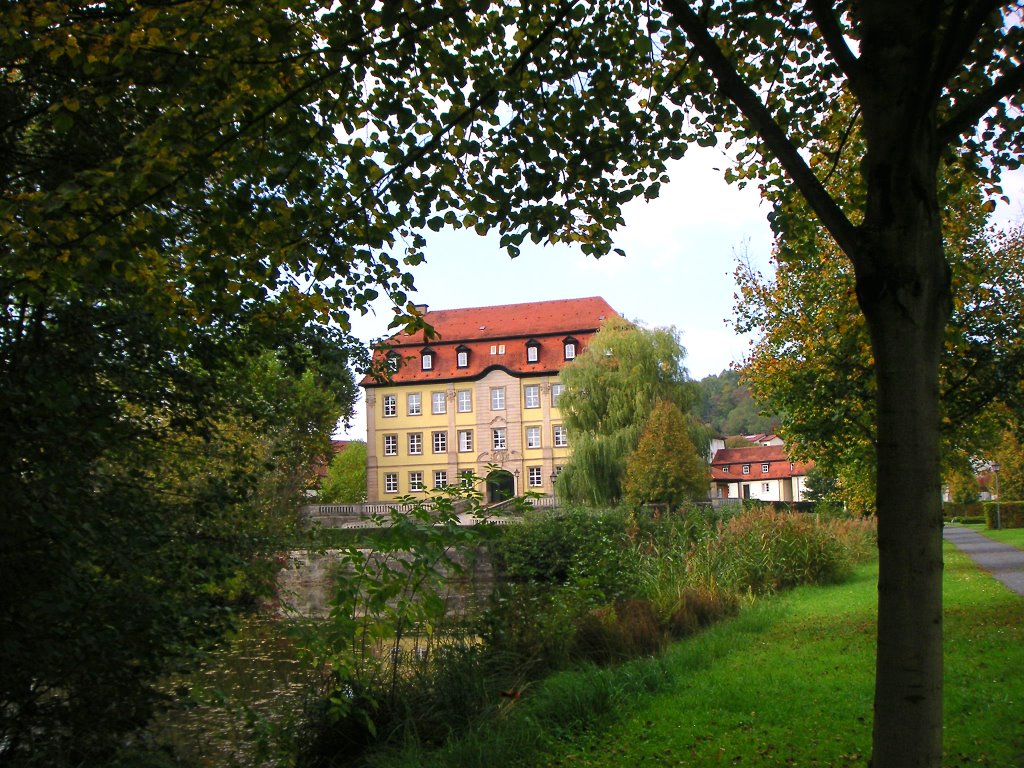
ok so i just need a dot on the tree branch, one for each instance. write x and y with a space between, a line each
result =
972 110
733 87
832 34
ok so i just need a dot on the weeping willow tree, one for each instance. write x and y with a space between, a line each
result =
610 391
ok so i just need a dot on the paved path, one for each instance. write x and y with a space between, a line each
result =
1004 562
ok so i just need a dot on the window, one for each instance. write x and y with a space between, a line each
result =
390 405
765 487
414 403
440 478
427 360
725 469
533 437
438 402
440 442
415 443
465 397
462 357
415 481
501 349
746 469
494 349
390 445
465 440
556 394
497 398
561 437
532 351
764 468
535 477
390 482
467 478
570 344
531 395
394 361
498 438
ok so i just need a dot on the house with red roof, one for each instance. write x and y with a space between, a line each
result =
763 472
481 392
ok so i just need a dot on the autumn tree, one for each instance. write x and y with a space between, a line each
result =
813 359
345 482
611 390
666 468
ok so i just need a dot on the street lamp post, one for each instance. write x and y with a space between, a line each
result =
995 474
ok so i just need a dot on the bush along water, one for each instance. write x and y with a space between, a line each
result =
575 587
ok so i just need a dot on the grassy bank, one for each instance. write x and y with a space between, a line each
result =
788 682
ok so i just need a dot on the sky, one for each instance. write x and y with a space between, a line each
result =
681 251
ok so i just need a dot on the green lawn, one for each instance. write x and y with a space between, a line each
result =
787 683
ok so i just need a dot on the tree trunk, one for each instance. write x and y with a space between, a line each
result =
904 290
908 679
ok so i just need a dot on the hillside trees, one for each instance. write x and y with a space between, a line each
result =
610 392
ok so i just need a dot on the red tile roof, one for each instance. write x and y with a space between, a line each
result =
773 455
476 330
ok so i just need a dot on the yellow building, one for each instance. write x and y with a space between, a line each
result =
483 392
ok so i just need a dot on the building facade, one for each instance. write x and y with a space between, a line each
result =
762 472
480 398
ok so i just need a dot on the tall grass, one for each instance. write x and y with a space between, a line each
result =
581 588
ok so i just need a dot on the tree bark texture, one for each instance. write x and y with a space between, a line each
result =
903 286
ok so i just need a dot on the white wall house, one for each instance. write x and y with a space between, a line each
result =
760 472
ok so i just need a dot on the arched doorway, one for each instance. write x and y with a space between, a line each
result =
501 485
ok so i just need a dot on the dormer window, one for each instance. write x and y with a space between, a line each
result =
764 468
532 351
393 361
427 360
462 357
725 469
570 345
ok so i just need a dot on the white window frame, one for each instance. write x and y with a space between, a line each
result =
427 361
462 359
390 482
438 403
391 445
416 481
499 439
531 396
532 353
764 468
535 477
556 393
415 443
533 437
465 400
465 440
560 436
570 350
440 478
414 403
439 442
746 469
497 398
389 404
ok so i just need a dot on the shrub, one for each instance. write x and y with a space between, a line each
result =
1011 514
626 630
